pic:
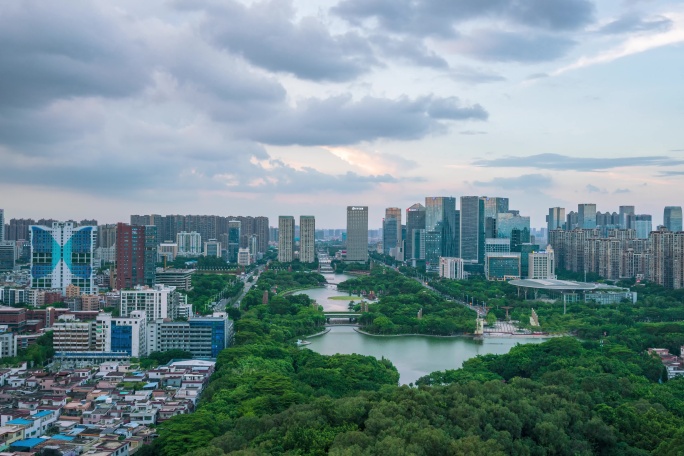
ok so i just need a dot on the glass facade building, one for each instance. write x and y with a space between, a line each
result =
472 232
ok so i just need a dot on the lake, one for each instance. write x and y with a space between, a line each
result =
413 356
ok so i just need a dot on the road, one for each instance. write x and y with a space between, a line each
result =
221 305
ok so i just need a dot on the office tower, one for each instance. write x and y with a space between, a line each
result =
159 301
2 225
571 221
307 238
507 222
502 266
418 245
262 232
495 205
391 230
212 248
415 220
136 255
643 225
542 264
625 212
556 218
586 216
441 224
286 230
62 255
357 233
472 229
234 235
672 218
8 250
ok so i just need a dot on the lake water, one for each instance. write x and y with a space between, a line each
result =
413 356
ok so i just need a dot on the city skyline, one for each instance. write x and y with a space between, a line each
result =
158 107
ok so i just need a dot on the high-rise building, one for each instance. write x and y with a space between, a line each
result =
62 255
415 220
586 216
234 235
307 238
643 225
159 301
667 262
507 222
556 218
672 218
625 212
286 231
18 229
106 236
189 244
8 258
391 230
418 245
472 236
136 255
262 232
2 225
357 233
441 222
495 205
571 221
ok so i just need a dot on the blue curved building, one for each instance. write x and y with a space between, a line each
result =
63 255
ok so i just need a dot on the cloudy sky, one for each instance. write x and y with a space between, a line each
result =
296 107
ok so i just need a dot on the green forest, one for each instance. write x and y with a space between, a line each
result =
567 396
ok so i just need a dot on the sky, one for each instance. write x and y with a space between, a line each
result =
291 107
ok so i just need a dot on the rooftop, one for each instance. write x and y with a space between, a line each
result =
560 285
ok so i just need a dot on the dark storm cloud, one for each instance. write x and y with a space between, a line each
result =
500 46
566 163
73 50
267 35
440 17
341 120
631 23
524 182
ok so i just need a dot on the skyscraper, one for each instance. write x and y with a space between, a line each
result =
643 225
307 238
415 220
357 233
189 244
63 255
136 254
2 225
472 229
262 232
625 212
586 216
286 229
556 218
495 205
672 218
234 234
440 224
391 230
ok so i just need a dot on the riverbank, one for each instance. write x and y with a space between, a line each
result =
327 330
405 335
480 336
